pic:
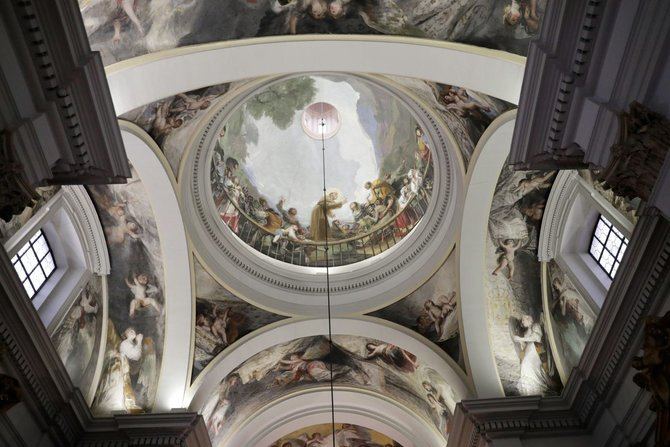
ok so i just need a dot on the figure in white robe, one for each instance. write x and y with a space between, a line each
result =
533 378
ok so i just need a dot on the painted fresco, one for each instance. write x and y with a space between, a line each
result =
121 29
42 195
432 310
466 113
136 298
221 319
77 338
630 208
571 315
266 172
171 121
304 363
346 435
513 283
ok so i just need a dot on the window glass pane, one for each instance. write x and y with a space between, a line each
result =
596 248
604 219
613 243
35 236
48 264
617 232
29 289
15 259
29 260
616 267
23 249
602 231
19 271
607 261
37 278
41 247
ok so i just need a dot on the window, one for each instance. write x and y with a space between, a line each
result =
608 246
34 263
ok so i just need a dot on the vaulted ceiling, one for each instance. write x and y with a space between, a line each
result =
217 242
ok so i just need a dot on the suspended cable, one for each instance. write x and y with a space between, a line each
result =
330 326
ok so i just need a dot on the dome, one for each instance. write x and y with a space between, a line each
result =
268 166
252 182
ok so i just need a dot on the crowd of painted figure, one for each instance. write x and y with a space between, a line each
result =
308 16
314 362
388 204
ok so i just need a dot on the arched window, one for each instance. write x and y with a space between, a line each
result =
585 234
56 251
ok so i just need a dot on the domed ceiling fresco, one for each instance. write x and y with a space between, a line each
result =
262 141
267 171
124 29
346 435
264 174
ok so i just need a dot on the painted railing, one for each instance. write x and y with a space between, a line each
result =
345 251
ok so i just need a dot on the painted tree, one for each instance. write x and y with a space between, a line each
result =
279 102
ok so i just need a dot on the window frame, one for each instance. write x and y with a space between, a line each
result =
612 230
17 261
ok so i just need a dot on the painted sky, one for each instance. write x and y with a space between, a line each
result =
287 163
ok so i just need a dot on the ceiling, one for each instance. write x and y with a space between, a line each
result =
121 31
219 236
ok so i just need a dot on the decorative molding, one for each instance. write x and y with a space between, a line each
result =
85 217
15 193
282 287
55 97
579 77
555 214
654 375
312 406
641 288
637 159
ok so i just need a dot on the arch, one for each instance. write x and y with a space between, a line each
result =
148 78
295 328
158 181
313 407
488 160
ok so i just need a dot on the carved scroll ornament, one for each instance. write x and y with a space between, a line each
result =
15 193
639 155
654 375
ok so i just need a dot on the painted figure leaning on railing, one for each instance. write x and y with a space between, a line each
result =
394 206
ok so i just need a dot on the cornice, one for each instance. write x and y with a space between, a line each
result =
555 214
577 80
83 211
57 101
640 289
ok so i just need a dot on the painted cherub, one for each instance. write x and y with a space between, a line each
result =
506 259
438 309
220 324
142 291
